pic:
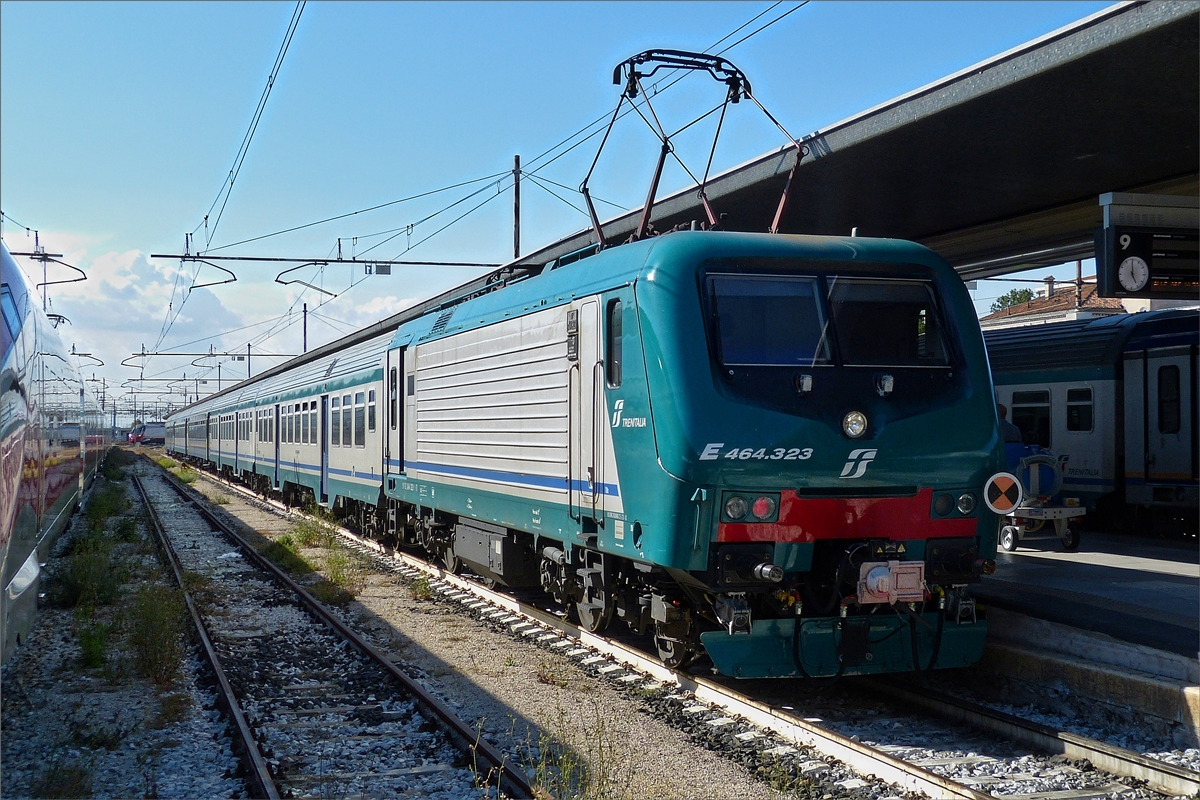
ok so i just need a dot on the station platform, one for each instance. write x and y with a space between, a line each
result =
1140 591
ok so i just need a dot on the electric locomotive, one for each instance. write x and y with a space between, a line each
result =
770 449
766 448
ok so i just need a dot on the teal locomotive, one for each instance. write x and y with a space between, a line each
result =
766 449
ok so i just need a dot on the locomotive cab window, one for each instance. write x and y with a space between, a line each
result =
886 323
1031 413
1079 410
767 320
612 364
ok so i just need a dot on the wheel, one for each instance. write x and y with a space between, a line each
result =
1008 538
1071 540
450 562
674 652
595 616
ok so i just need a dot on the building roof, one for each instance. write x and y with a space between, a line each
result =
1063 299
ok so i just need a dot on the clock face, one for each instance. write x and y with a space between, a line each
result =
1133 274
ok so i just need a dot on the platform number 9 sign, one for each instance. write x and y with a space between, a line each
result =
1134 271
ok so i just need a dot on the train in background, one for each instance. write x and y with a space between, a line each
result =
149 433
51 443
1117 397
769 449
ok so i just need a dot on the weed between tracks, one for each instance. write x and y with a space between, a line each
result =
64 777
285 553
581 759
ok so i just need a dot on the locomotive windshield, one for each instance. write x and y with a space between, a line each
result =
856 321
767 320
886 323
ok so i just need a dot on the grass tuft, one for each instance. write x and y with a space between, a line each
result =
315 533
550 676
283 551
92 575
106 501
420 588
93 644
157 634
63 778
330 593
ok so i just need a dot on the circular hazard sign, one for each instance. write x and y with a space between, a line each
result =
1003 493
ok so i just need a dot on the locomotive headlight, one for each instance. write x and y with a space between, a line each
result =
854 424
763 507
943 504
736 507
966 503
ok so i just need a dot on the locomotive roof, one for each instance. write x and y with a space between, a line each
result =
1089 348
479 302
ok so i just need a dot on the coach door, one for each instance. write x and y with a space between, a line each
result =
1170 409
278 435
587 395
208 436
323 438
393 440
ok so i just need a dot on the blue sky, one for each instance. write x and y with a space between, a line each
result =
120 121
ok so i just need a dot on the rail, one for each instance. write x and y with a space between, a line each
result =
258 773
511 778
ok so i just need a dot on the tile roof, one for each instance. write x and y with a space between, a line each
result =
1063 299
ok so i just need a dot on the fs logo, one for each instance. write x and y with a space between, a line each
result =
617 408
856 463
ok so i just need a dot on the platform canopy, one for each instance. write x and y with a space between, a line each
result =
998 167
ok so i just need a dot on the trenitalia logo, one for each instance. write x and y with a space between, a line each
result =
616 418
857 462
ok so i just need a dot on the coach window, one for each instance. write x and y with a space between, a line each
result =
360 420
1031 413
1079 410
306 438
371 411
335 422
346 421
290 437
613 362
1168 399
312 422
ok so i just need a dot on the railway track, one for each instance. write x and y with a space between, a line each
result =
940 755
317 709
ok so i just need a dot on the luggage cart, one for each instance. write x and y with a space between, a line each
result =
1029 518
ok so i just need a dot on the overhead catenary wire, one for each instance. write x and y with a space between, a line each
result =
244 149
532 169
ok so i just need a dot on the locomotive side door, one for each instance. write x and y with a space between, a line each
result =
586 391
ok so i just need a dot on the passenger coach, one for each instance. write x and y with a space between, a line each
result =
1117 398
